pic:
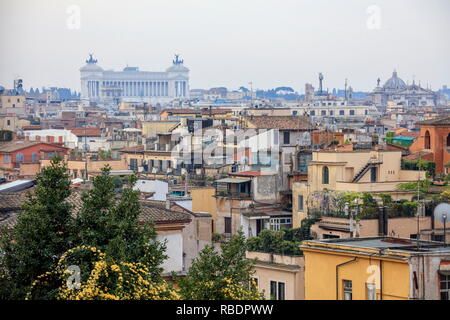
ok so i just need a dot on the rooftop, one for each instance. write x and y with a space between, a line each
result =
384 245
280 122
86 132
435 122
151 211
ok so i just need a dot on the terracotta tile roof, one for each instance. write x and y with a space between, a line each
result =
409 134
280 122
246 173
133 149
435 122
157 213
88 132
417 155
192 111
32 127
15 145
151 211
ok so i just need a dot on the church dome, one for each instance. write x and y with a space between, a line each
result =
394 83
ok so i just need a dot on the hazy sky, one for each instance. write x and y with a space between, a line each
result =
229 42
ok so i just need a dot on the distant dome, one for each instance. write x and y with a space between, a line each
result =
394 83
177 68
91 67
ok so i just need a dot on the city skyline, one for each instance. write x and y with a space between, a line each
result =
361 41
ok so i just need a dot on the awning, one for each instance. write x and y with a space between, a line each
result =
232 180
255 215
444 267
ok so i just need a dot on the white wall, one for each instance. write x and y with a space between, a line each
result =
160 188
70 140
174 251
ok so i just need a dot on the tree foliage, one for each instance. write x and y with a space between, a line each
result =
100 278
111 224
224 275
107 222
42 234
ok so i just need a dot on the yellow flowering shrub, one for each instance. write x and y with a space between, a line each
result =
101 279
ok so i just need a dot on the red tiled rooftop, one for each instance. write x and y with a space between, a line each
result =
246 173
86 132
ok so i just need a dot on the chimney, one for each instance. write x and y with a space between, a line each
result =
168 204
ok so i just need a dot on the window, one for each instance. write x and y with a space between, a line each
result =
277 290
323 112
19 157
8 123
352 112
444 286
437 237
341 112
281 291
427 140
280 223
331 112
373 174
371 291
294 113
227 221
7 158
325 175
286 137
34 157
300 202
330 236
312 113
448 140
133 164
348 290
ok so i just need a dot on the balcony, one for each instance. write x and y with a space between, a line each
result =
234 188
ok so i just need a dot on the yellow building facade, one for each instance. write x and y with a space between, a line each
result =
380 268
373 171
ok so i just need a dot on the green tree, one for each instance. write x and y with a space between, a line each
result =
110 223
224 275
41 235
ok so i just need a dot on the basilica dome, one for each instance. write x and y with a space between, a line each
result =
394 83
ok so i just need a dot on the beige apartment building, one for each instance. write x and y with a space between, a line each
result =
12 123
13 104
372 171
279 277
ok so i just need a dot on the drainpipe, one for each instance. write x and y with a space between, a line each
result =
381 280
337 275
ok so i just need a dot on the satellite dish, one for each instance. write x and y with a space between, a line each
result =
442 212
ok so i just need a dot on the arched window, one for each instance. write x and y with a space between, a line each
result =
325 175
427 140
